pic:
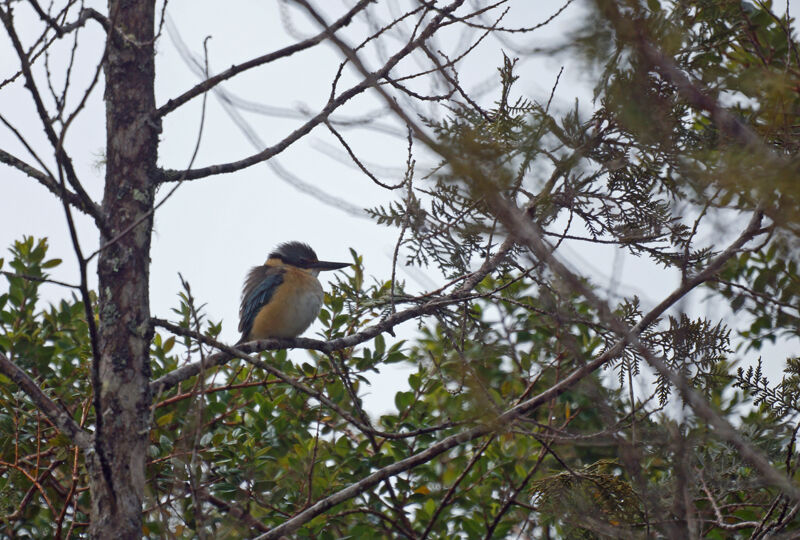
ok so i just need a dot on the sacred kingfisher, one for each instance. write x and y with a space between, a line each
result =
283 297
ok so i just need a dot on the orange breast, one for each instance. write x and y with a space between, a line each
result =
292 309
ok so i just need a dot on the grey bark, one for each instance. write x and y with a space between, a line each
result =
117 462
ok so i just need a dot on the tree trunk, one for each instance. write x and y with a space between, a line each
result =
117 467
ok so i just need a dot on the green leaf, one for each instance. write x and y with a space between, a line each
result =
403 400
169 344
165 419
380 346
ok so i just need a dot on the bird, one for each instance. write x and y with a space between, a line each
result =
281 298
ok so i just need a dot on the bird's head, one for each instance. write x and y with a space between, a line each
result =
301 255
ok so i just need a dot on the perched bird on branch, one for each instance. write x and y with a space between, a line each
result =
283 297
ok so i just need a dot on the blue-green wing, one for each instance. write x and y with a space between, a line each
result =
261 284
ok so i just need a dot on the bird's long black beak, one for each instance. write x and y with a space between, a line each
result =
327 265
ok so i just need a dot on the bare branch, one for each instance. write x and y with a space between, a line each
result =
358 162
46 180
39 279
46 18
231 104
370 81
229 352
721 523
151 212
232 71
518 30
452 489
351 55
233 510
60 30
366 483
90 206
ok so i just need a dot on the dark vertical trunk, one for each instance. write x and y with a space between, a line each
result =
117 467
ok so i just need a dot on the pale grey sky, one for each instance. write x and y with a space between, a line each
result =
213 230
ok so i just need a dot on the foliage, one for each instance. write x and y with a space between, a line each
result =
588 495
52 345
606 453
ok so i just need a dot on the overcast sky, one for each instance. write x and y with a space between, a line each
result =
213 230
